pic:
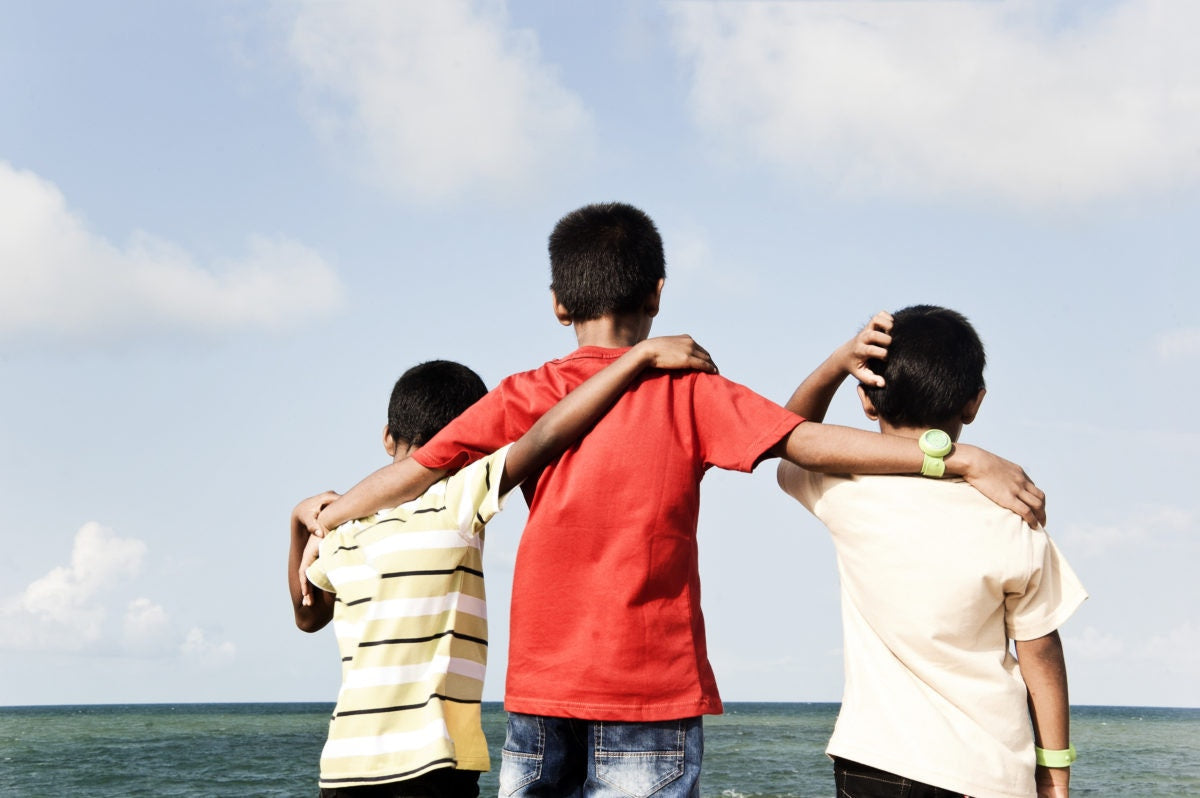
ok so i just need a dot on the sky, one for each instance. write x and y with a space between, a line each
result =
227 226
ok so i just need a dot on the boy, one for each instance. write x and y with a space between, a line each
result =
608 672
935 581
405 587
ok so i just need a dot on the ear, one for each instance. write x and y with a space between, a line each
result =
560 312
389 443
867 405
652 301
972 407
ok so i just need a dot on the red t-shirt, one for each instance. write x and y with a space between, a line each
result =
605 621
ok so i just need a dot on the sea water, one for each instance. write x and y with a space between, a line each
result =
754 750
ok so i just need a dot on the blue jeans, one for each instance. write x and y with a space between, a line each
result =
548 757
855 780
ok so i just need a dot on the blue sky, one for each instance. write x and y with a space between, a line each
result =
226 227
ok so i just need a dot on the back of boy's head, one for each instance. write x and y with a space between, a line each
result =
605 260
933 369
429 396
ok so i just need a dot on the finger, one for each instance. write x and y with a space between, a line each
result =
1025 511
867 377
872 352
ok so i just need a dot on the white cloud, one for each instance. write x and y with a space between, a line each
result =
1147 523
146 626
1178 649
60 280
438 98
1178 345
68 609
1092 644
64 610
198 648
1031 103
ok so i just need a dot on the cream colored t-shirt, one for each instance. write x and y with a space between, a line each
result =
935 581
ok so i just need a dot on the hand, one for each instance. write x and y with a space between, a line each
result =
306 512
1003 482
677 352
1053 782
870 344
311 551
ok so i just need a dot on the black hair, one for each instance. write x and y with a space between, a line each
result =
933 369
605 259
429 396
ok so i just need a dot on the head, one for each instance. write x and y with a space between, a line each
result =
426 398
933 372
605 260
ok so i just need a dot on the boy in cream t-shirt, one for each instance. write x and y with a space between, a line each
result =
935 582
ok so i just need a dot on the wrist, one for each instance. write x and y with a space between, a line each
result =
1055 759
962 460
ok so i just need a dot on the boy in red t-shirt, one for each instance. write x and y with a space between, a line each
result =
608 671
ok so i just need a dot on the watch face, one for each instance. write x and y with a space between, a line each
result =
936 443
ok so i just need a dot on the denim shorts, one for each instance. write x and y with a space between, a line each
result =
545 757
854 780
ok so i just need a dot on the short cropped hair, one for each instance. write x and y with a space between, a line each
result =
605 259
429 396
933 369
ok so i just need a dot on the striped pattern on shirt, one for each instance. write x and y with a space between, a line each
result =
410 617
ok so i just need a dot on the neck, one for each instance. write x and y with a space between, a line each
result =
613 332
953 430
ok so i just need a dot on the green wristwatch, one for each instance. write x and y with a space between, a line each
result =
936 445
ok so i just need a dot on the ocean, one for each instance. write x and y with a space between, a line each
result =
755 750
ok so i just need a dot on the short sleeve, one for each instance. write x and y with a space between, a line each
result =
318 572
803 486
479 430
474 492
1049 595
735 425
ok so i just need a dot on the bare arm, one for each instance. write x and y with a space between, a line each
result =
843 450
576 412
312 609
1045 672
399 482
811 400
833 449
390 486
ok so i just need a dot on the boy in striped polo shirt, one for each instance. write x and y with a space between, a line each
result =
405 591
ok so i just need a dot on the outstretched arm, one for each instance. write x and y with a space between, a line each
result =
312 609
406 480
843 450
390 486
1045 672
576 412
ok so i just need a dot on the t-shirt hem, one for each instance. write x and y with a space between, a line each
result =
366 780
630 712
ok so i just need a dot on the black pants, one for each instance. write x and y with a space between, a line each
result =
440 783
862 781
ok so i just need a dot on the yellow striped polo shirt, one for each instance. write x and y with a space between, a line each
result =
411 624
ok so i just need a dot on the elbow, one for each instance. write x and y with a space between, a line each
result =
307 621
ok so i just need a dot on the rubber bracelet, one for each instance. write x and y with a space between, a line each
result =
933 467
1055 759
